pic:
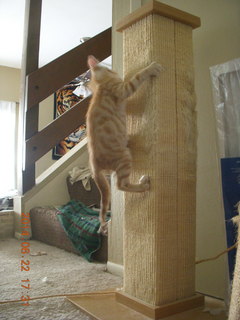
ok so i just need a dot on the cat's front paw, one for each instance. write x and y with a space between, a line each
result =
155 69
145 181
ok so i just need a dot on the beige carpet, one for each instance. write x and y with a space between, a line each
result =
60 272
57 272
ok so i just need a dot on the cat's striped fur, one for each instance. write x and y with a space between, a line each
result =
106 130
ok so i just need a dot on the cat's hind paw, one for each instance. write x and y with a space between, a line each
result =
103 229
145 181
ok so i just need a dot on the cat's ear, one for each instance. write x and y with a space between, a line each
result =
92 62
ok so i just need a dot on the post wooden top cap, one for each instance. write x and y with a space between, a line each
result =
156 7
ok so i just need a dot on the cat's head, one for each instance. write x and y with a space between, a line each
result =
99 73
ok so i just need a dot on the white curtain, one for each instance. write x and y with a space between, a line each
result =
8 149
226 94
229 86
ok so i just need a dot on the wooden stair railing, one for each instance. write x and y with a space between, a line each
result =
47 138
41 83
48 79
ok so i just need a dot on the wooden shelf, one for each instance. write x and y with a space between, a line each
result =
155 7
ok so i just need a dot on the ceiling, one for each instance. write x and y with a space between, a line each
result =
63 23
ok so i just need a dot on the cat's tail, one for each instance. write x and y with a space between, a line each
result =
104 189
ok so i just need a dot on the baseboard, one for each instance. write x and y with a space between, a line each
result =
19 236
114 268
113 305
163 311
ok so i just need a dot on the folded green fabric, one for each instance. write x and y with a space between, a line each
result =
81 224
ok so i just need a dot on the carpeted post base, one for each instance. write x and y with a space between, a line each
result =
109 305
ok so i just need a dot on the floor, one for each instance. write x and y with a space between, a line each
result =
52 272
46 271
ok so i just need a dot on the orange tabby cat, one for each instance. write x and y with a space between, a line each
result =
106 130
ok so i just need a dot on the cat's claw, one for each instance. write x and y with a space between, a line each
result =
155 69
145 180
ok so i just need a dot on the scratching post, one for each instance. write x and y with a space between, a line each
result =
159 225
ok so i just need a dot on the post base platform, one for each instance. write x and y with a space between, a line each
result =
109 305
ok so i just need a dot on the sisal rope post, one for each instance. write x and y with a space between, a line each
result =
159 225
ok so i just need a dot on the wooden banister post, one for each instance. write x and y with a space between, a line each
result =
29 118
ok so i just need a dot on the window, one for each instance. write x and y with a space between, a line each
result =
8 153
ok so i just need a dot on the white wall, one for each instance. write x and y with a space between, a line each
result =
9 84
46 116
